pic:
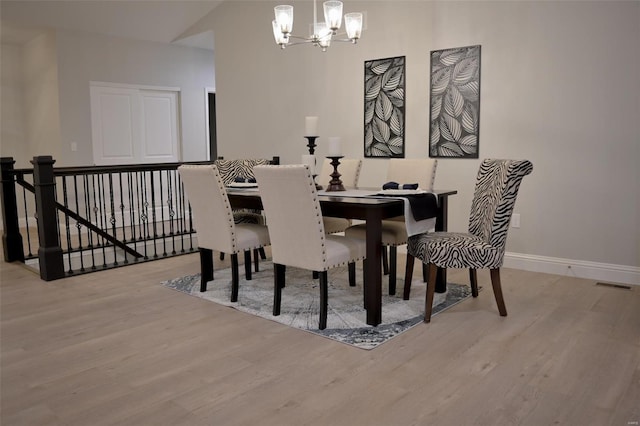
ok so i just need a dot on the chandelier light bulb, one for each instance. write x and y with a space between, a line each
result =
353 25
280 38
284 18
333 15
323 32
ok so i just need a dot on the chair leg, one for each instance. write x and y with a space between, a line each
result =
256 261
234 277
408 275
364 283
393 258
263 255
324 295
473 279
352 274
221 256
385 261
425 272
431 289
206 268
315 275
497 291
247 264
278 284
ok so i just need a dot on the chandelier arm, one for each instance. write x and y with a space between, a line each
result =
299 42
308 39
344 40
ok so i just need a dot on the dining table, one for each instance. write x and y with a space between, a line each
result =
363 205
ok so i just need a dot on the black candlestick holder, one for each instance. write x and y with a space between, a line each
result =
311 143
335 184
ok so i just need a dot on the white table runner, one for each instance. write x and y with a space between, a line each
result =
414 227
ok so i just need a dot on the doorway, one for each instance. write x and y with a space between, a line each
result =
211 117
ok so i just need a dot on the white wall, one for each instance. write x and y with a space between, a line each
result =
53 79
559 86
83 58
30 114
42 113
12 137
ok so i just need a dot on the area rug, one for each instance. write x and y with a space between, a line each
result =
346 320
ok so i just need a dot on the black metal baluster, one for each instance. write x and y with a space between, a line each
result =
26 221
145 214
87 202
132 218
124 228
112 219
78 224
153 215
102 211
164 236
182 222
141 213
172 210
66 222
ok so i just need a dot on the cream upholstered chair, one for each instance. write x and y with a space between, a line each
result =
215 227
394 232
484 245
350 174
297 234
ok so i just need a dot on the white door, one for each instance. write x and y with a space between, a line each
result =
133 125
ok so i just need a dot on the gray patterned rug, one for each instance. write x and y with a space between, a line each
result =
346 320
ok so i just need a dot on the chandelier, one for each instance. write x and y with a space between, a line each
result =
323 32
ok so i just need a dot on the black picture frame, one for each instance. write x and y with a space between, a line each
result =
384 107
454 116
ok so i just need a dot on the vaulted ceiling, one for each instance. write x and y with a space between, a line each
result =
165 21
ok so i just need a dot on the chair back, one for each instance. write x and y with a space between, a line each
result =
495 197
413 170
292 208
349 170
210 207
230 169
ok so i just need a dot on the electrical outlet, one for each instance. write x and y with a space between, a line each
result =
515 220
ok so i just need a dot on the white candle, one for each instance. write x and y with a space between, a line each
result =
335 150
311 126
310 160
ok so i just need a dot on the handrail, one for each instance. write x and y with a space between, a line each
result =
137 211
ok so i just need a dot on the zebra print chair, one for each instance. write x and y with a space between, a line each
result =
484 245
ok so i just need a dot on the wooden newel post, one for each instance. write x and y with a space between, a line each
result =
11 238
49 252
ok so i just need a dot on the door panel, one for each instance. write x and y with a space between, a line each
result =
160 132
134 125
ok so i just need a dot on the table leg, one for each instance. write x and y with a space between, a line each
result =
441 225
373 272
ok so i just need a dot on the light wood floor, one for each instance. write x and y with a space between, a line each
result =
116 347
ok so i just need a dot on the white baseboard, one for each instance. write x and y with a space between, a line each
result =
597 271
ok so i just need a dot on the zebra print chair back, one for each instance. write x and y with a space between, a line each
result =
484 245
495 197
231 169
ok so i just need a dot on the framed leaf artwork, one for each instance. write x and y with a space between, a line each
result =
454 119
384 107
